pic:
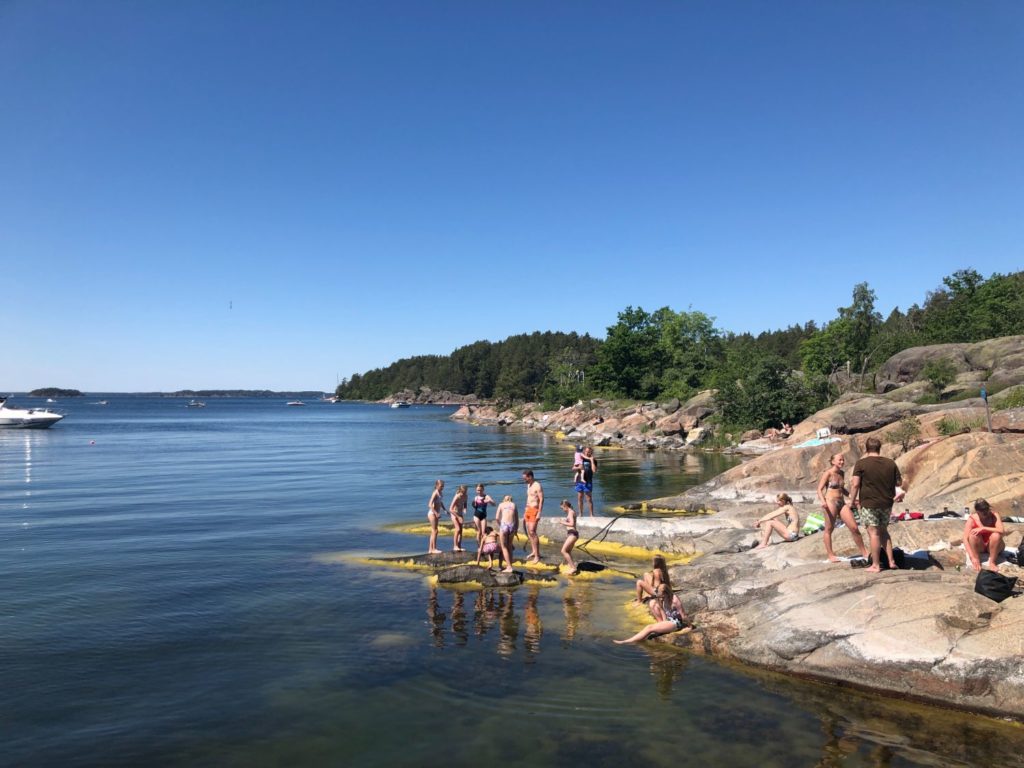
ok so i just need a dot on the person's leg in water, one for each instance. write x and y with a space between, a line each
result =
846 515
657 628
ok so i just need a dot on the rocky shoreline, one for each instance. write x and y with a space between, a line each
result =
921 633
672 425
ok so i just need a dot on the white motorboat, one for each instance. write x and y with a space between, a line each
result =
400 404
195 404
295 402
31 418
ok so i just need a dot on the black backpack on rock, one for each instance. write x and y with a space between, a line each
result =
994 585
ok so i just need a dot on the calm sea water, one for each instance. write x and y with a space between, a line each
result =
183 587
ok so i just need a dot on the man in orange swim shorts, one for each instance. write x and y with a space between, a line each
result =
534 507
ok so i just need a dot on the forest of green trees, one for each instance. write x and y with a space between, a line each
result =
781 375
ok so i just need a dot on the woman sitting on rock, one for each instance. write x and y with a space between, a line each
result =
647 585
983 532
771 524
673 617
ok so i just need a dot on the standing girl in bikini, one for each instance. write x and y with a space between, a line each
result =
456 512
480 504
571 535
507 518
832 494
832 497
435 508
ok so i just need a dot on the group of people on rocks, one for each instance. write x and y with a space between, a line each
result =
876 485
501 543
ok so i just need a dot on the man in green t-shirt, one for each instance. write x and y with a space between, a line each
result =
875 488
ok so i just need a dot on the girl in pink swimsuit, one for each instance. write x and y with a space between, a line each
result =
489 546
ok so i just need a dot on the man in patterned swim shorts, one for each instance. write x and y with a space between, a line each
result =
875 488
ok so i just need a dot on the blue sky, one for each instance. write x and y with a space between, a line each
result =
272 194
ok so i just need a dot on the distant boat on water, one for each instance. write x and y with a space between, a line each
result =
400 404
100 402
195 404
30 418
295 402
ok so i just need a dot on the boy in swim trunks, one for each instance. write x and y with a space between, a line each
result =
507 519
534 508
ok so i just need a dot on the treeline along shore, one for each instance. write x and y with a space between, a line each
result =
760 381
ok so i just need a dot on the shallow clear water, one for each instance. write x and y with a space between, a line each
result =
181 587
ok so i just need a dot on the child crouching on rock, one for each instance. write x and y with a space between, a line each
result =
489 546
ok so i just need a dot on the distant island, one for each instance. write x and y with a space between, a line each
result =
241 393
54 392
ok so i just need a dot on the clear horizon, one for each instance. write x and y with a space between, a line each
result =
206 196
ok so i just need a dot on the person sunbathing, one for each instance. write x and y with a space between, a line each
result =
769 524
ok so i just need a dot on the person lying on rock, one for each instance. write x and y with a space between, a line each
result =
770 523
983 532
672 611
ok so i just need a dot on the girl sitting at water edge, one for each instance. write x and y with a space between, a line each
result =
674 617
435 508
647 585
456 512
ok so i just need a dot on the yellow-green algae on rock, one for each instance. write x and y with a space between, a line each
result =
607 549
